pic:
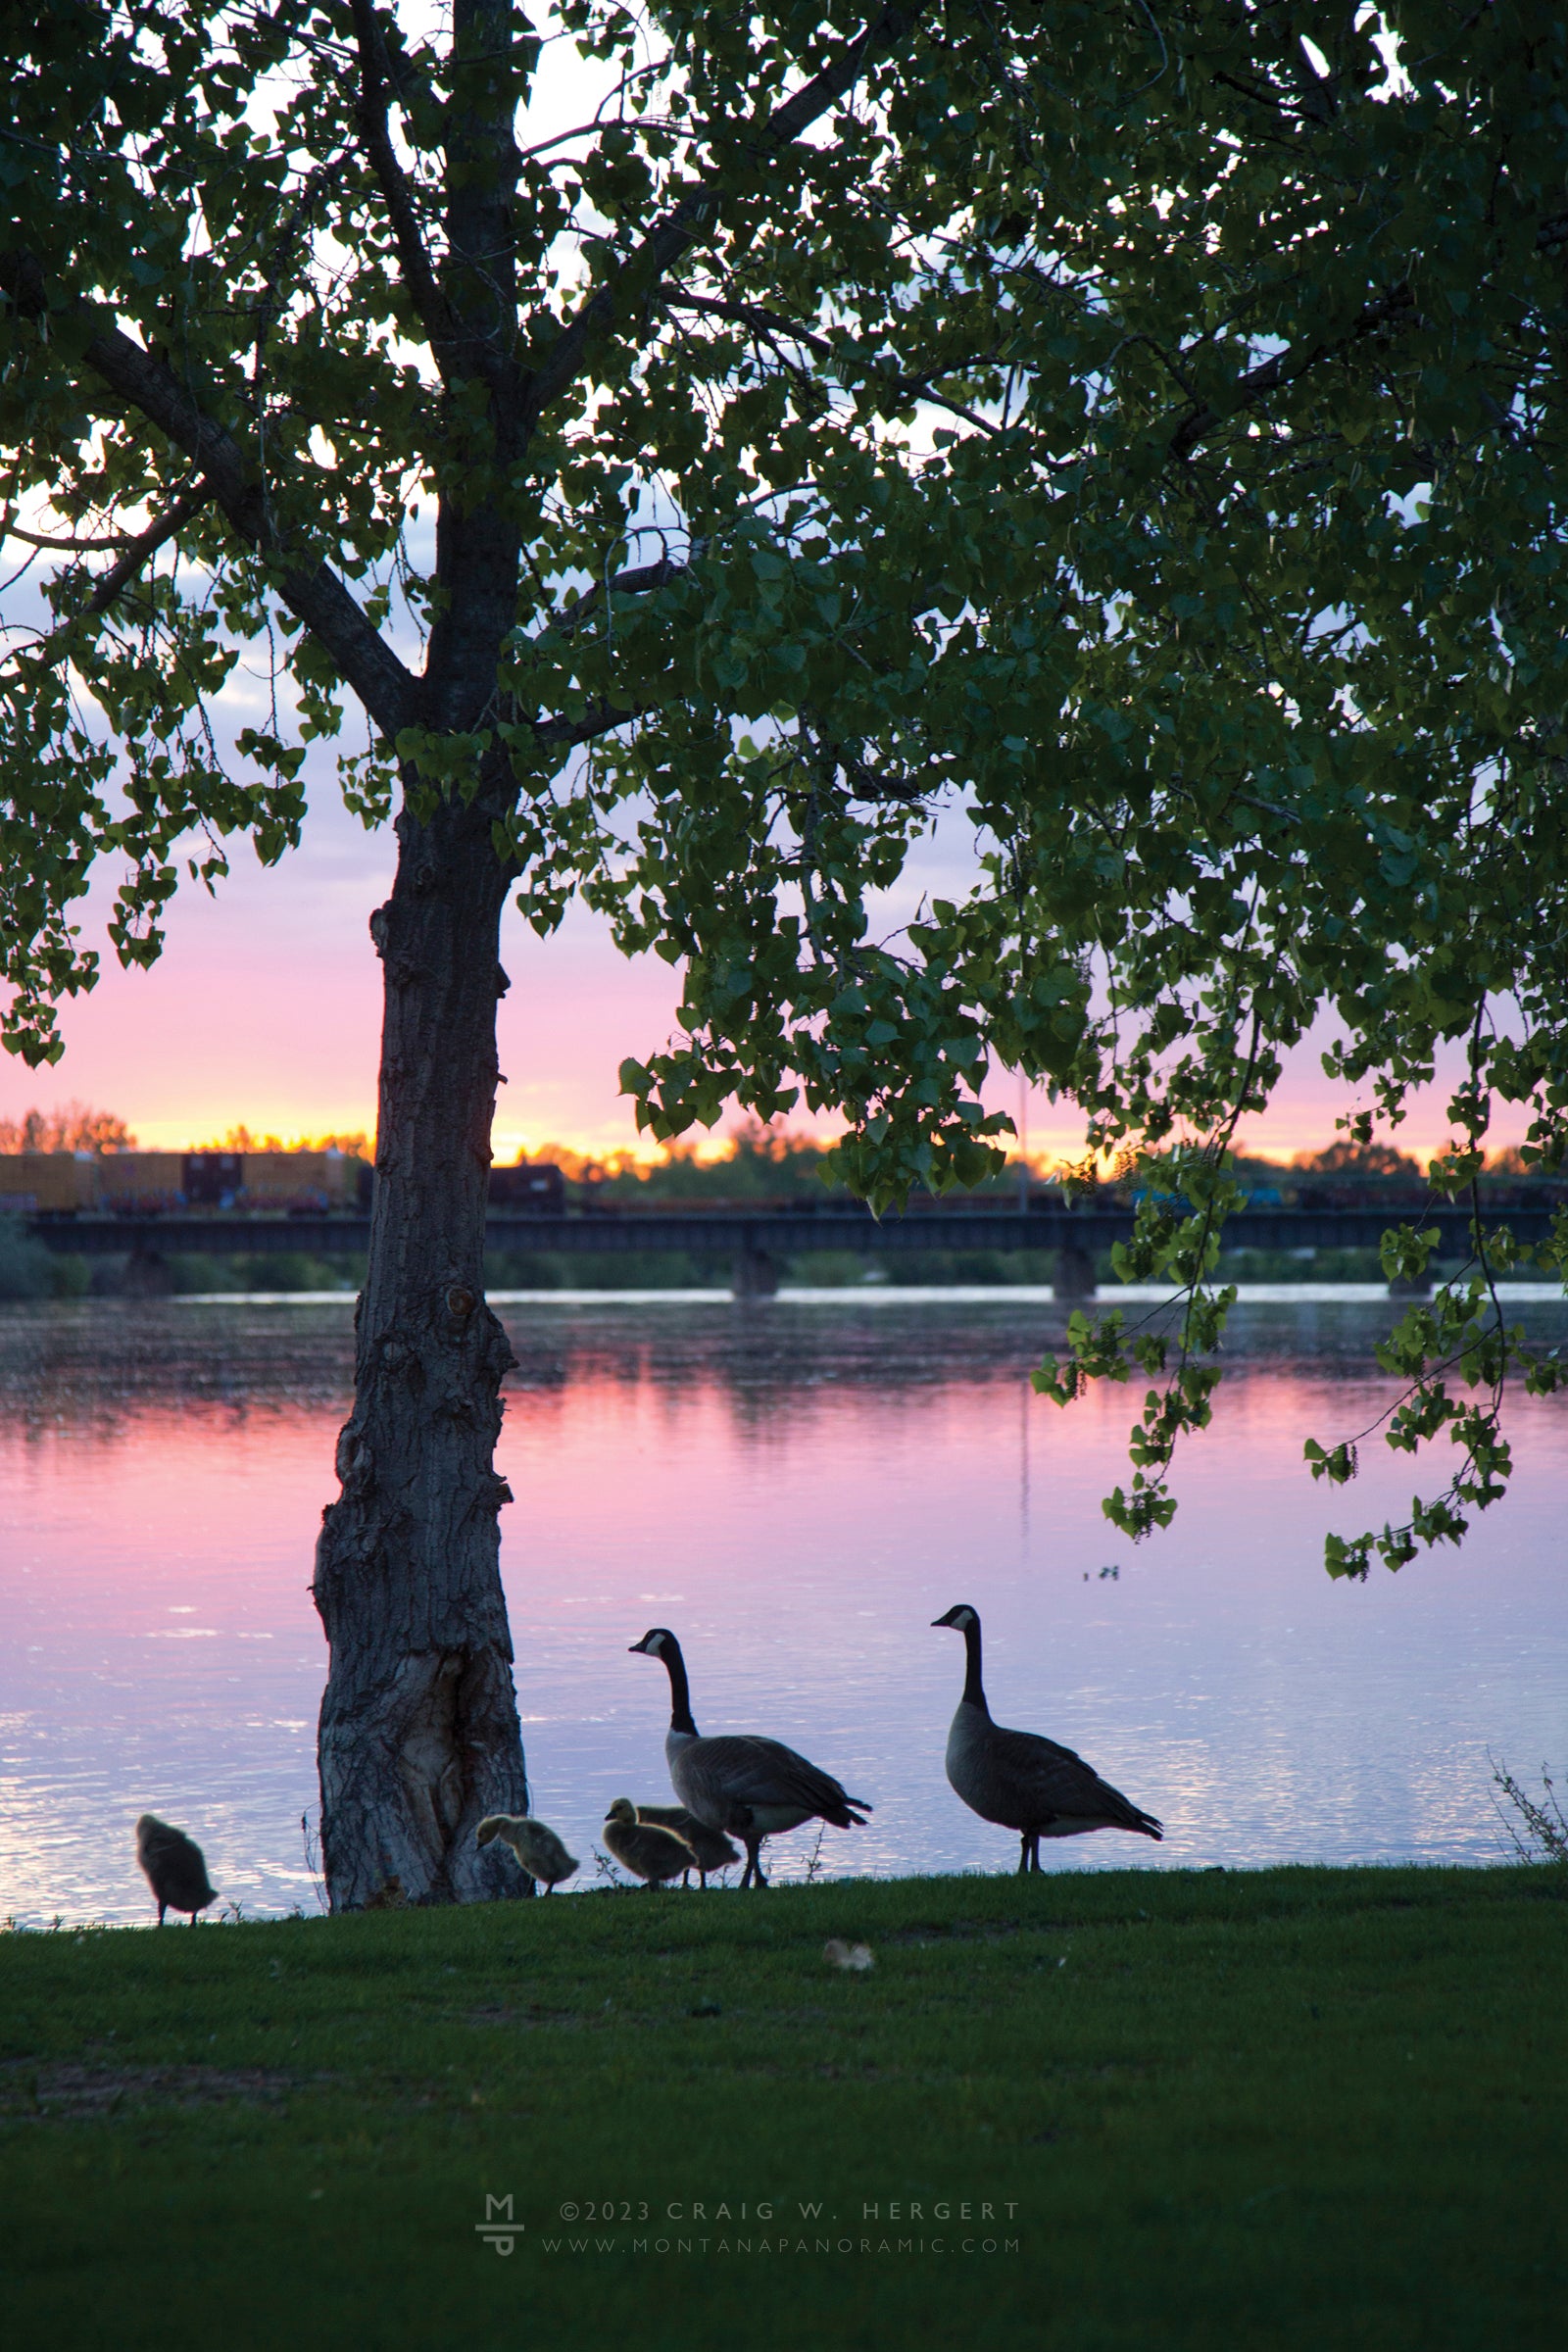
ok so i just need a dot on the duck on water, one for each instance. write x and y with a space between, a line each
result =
745 1783
1020 1780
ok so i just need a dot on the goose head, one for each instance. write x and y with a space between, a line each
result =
966 1621
660 1642
622 1809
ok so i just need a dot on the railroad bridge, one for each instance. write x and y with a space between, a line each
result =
758 1237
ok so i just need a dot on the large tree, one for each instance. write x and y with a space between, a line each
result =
1137 428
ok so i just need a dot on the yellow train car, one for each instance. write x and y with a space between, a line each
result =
297 1178
55 1182
133 1183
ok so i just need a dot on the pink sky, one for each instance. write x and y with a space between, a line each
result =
264 1010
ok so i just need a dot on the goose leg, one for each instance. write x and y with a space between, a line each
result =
753 1874
1023 1854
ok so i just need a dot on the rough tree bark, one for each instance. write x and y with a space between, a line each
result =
419 1735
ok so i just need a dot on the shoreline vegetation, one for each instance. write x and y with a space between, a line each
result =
29 1272
1286 2108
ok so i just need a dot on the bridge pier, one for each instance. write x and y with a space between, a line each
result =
147 1275
755 1273
1075 1273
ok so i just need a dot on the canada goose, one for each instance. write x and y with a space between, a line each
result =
175 1867
712 1849
752 1786
648 1852
1017 1778
538 1849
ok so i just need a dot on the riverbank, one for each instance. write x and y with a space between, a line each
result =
1287 2108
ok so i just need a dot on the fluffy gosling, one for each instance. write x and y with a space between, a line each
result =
174 1866
539 1851
839 1954
712 1849
649 1852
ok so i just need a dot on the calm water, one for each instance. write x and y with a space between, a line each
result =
798 1489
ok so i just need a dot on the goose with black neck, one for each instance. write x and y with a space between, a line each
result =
742 1783
1019 1780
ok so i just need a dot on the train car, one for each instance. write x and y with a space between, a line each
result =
538 1189
139 1183
48 1183
213 1179
302 1180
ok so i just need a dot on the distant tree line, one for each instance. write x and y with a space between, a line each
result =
72 1127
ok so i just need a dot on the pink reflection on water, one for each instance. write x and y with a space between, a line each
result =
798 1511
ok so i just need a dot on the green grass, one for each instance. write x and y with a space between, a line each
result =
1287 2108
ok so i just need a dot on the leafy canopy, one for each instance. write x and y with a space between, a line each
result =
1137 430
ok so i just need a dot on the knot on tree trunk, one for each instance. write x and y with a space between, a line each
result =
353 1461
402 966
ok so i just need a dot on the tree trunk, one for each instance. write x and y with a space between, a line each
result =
420 1737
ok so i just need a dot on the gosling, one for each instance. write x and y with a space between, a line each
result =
174 1866
712 1849
645 1849
539 1851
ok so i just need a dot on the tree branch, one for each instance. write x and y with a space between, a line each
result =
1285 367
635 582
633 284
391 693
419 272
750 314
69 547
55 646
565 733
776 331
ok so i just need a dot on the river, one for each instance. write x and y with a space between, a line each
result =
796 1487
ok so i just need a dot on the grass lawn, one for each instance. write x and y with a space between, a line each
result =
1315 2108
